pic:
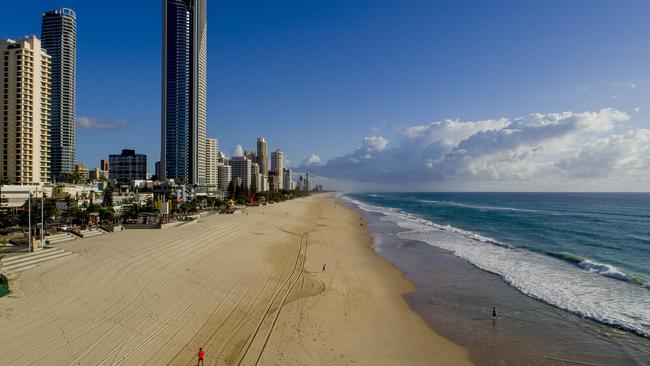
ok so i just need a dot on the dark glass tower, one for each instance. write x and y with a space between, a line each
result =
183 147
59 39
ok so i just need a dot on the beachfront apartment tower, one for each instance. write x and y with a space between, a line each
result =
212 162
263 156
59 39
25 69
277 168
184 54
241 168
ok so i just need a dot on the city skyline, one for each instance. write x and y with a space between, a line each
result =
578 68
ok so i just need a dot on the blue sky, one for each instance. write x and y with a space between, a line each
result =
317 77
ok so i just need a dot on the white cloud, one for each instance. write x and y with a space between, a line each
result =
374 129
374 143
311 160
237 151
637 109
90 123
629 85
539 148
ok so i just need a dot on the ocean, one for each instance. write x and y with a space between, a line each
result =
584 253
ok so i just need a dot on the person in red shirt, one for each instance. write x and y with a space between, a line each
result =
201 355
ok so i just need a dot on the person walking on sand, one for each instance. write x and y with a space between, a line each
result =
494 313
201 355
324 267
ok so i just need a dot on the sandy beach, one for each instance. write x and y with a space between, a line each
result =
248 288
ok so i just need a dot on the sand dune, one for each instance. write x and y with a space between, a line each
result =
248 288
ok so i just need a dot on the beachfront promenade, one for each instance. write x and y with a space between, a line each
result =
248 288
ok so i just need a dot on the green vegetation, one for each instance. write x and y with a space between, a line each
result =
7 218
4 285
4 282
108 196
51 212
279 196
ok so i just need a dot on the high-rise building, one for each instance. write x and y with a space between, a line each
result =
128 166
241 168
224 176
277 168
255 176
25 69
59 39
287 179
183 155
212 161
263 156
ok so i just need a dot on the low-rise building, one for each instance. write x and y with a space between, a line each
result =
128 166
14 196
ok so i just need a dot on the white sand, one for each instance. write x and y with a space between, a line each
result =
247 288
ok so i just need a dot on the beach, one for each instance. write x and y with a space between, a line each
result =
248 288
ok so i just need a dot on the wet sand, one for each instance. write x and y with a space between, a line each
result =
456 299
248 288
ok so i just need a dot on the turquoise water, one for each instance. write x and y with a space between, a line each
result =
588 253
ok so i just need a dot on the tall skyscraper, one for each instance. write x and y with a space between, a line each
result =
59 39
212 162
183 147
263 156
25 107
277 168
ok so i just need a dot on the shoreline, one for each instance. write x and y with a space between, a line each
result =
248 288
455 298
358 281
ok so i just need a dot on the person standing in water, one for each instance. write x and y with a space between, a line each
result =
494 313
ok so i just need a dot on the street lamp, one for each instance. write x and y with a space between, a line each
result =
42 220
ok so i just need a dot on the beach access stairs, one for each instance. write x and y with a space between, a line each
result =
89 233
59 238
23 262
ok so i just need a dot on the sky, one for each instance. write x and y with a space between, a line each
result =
386 95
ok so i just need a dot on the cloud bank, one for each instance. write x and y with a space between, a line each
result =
535 150
311 160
